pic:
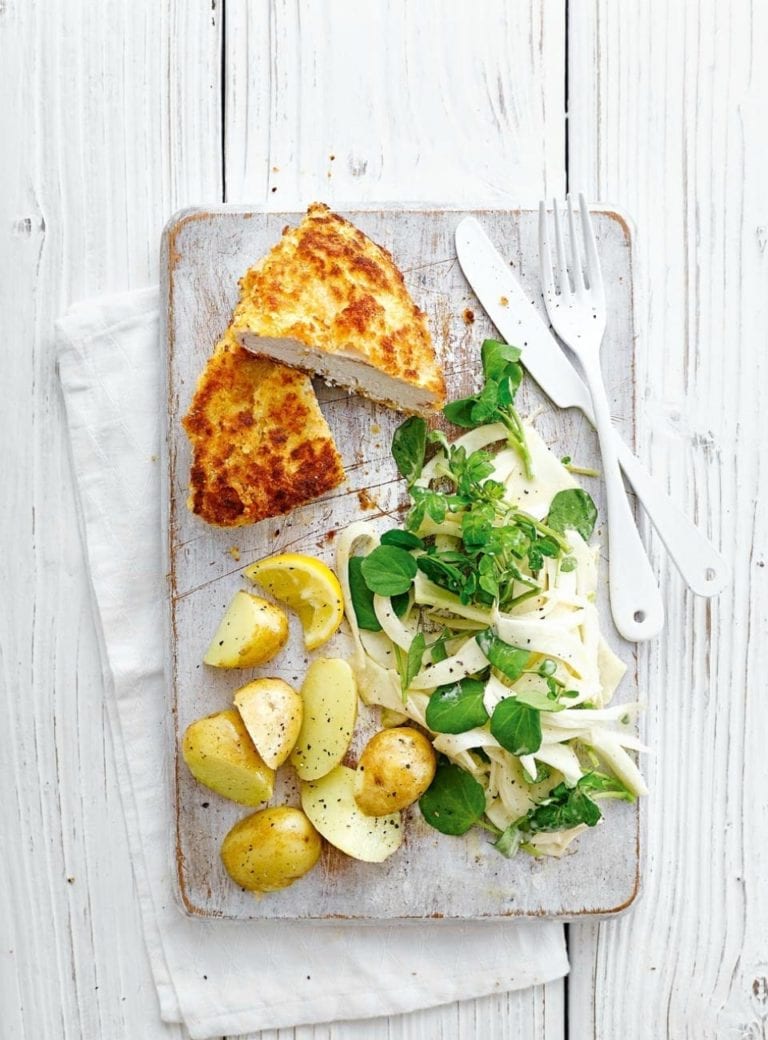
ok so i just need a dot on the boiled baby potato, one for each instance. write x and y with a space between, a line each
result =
221 755
330 805
395 768
272 712
250 633
271 849
329 693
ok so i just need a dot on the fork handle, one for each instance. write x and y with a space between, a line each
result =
636 604
702 567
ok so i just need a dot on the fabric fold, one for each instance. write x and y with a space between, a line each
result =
223 977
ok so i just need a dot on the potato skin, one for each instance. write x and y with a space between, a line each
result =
271 849
396 767
220 754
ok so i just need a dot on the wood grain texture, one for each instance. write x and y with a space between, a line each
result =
667 113
435 101
108 122
272 143
533 1014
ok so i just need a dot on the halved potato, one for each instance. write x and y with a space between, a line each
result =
329 693
272 712
270 849
221 755
330 805
250 633
395 768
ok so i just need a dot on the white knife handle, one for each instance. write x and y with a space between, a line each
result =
636 604
702 567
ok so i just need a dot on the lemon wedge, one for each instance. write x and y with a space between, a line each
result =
308 587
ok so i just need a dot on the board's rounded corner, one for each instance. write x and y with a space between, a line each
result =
620 216
184 903
183 216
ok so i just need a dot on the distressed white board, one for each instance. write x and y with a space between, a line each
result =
106 123
432 875
668 106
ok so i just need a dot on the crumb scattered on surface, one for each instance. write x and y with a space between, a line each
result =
504 301
468 316
375 428
366 501
330 535
234 552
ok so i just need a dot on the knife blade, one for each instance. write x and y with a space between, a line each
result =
504 300
506 304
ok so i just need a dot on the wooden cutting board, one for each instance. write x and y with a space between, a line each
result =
432 875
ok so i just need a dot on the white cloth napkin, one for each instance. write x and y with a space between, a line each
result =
224 977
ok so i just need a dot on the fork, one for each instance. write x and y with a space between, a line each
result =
578 316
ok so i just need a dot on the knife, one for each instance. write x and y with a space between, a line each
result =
702 567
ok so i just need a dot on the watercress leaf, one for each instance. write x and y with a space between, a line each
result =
432 503
457 707
599 784
510 660
454 801
362 597
572 509
565 807
446 575
507 392
489 583
413 660
508 844
539 700
400 603
469 471
388 570
439 438
460 412
476 524
449 556
416 515
567 564
409 444
516 726
486 404
402 539
493 490
437 651
469 589
497 356
548 547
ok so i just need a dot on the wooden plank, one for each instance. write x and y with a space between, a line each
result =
667 118
435 101
109 123
536 1014
379 156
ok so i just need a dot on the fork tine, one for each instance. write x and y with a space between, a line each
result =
545 253
565 285
590 248
578 276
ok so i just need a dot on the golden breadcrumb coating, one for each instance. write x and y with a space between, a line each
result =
328 287
261 444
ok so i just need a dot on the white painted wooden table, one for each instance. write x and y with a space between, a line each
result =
116 114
